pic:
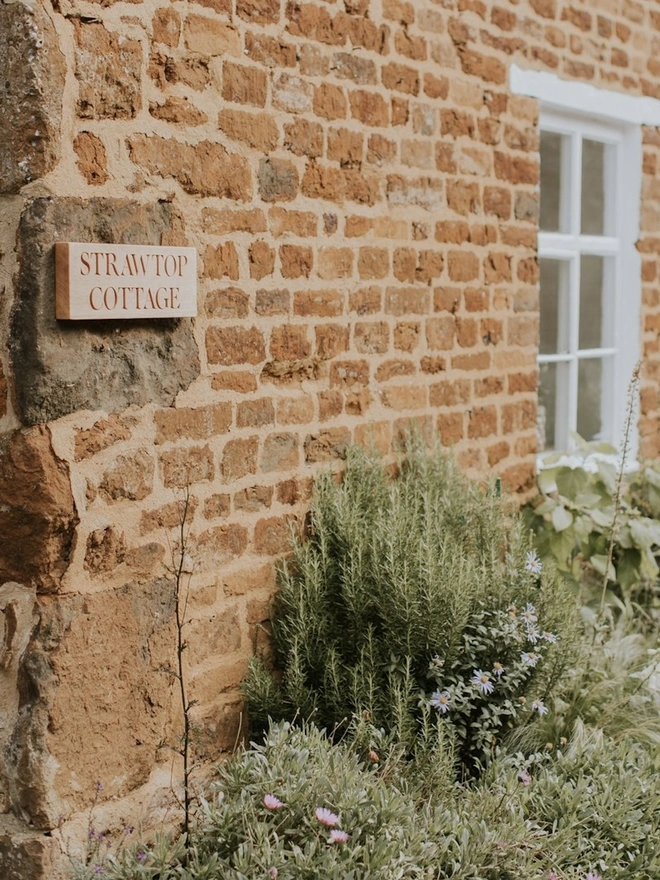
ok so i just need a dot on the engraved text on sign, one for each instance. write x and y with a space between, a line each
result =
110 281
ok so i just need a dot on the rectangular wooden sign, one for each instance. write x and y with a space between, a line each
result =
110 281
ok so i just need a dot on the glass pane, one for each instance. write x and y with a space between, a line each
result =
551 174
591 302
593 187
547 408
554 311
590 385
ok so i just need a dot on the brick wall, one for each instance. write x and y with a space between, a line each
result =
362 190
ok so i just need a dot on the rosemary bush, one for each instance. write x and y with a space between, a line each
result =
401 592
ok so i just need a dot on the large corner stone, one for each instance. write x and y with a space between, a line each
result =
26 854
32 73
38 516
60 367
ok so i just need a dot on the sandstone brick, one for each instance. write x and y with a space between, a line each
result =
197 423
168 516
278 180
270 51
193 71
217 506
205 169
417 154
410 46
131 477
254 498
262 260
304 138
452 231
244 84
296 261
228 303
255 413
184 466
407 300
522 330
447 299
400 78
330 101
406 335
372 337
92 159
280 452
215 548
380 150
210 36
286 372
482 422
497 201
373 262
331 340
326 445
450 427
399 111
441 332
166 27
463 265
103 434
239 381
463 196
235 345
318 303
221 260
345 374
258 130
289 342
518 383
404 397
345 146
239 458
516 169
324 182
426 192
178 111
331 404
105 550
294 491
259 11
497 268
450 392
370 108
394 369
335 263
355 67
518 416
297 410
225 221
108 69
301 223
477 361
292 94
272 536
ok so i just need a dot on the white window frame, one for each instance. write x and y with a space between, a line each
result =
616 118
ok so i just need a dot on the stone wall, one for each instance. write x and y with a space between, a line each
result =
362 191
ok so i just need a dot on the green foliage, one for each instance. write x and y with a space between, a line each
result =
397 571
572 520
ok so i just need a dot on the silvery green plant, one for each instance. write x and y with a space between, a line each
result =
398 568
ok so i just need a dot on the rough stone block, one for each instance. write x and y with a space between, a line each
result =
61 367
32 73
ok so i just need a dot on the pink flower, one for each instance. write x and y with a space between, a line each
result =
326 817
272 803
524 777
553 875
337 836
272 873
591 875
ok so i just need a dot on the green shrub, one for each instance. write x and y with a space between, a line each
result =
397 576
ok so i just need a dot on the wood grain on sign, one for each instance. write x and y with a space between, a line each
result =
111 281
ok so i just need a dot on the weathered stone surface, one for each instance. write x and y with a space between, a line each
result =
101 720
108 67
92 160
25 852
37 527
62 367
32 74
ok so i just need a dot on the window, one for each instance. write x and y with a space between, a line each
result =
590 284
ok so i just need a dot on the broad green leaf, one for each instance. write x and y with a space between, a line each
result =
561 518
602 518
547 480
599 562
571 481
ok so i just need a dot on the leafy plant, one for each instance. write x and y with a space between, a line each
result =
395 571
574 514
